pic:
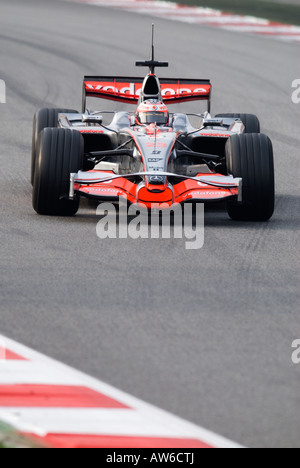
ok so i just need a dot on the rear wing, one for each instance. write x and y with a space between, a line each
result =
128 89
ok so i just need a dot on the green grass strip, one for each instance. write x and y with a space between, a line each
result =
9 439
278 12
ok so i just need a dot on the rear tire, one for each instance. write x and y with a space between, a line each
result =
250 156
44 118
250 121
60 154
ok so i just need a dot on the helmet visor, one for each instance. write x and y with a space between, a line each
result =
159 118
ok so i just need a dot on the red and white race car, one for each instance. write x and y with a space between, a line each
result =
150 156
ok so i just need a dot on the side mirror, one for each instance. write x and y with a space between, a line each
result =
92 119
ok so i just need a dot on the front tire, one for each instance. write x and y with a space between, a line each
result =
60 154
250 156
250 121
44 118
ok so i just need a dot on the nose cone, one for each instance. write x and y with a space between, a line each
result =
156 195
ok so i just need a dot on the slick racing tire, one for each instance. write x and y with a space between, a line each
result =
60 154
250 156
44 118
250 121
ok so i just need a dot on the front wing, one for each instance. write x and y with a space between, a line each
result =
106 186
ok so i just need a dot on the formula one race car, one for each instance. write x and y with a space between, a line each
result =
149 156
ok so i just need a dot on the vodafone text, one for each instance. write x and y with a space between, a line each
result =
155 457
160 222
130 89
296 93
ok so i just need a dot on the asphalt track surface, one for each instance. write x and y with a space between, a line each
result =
204 334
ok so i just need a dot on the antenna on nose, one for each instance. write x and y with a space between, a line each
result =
152 64
152 46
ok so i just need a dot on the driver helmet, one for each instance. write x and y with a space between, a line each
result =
152 111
